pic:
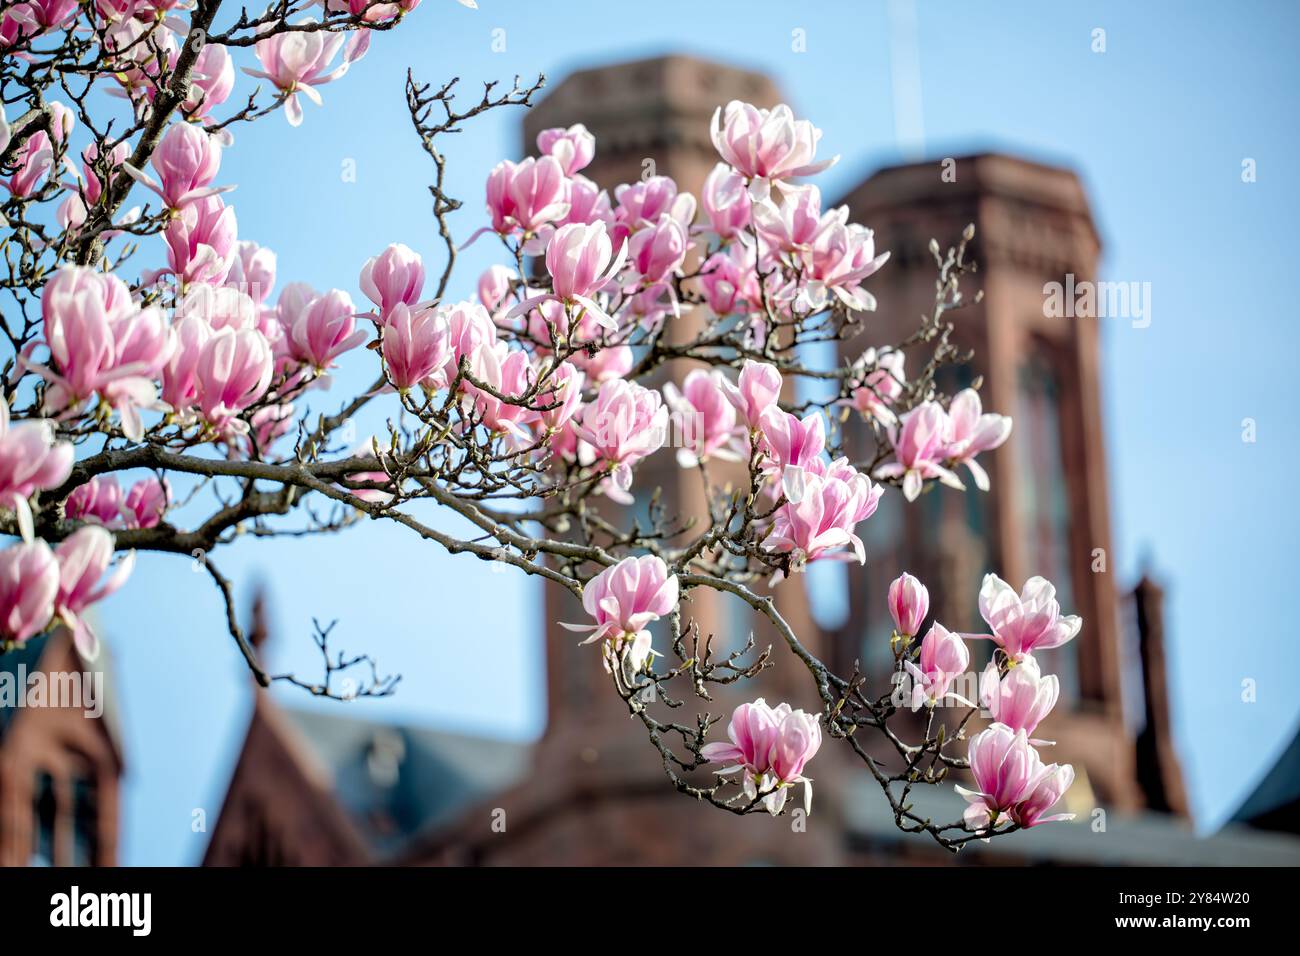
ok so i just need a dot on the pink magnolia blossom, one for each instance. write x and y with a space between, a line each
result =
299 62
416 346
372 12
394 276
147 501
468 327
706 419
973 432
211 81
757 388
791 445
29 583
138 51
796 223
1045 790
842 256
943 657
729 280
43 15
626 422
252 271
771 747
100 342
233 372
324 330
292 302
658 251
564 394
201 241
878 381
143 342
1004 765
508 373
30 461
99 499
1022 697
180 374
578 257
766 146
525 196
824 519
186 161
33 161
1011 781
83 557
753 731
909 603
580 261
588 203
725 201
919 449
573 148
116 10
1027 622
798 740
645 202
624 600
76 304
495 287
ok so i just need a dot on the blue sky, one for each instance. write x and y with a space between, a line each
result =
1157 126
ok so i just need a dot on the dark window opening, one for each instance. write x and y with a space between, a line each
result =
45 813
85 821
1044 503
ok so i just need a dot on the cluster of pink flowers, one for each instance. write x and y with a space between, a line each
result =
40 587
1012 783
770 747
930 442
101 343
217 358
146 34
615 264
614 267
198 342
102 500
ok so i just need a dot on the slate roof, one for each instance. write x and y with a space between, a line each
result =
1275 803
395 781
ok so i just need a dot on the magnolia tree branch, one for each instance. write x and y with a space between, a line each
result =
174 405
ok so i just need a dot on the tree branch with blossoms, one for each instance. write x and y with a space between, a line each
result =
528 410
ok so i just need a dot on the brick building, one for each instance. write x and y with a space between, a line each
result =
60 757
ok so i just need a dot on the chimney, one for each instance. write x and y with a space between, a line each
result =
1159 773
